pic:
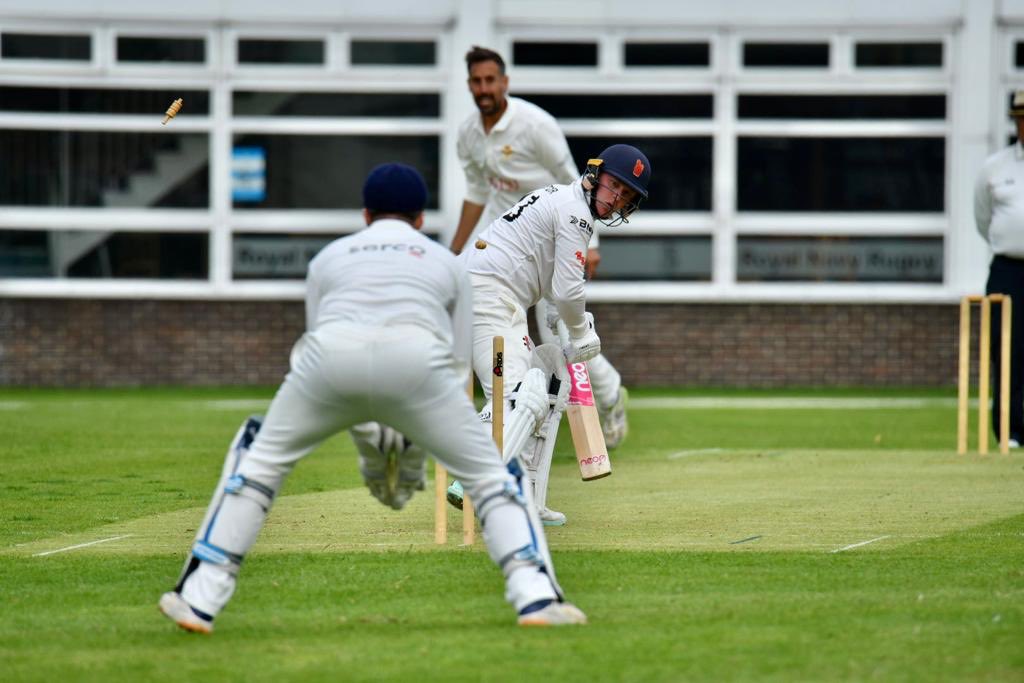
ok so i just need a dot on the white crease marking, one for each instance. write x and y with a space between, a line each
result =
696 451
81 545
857 545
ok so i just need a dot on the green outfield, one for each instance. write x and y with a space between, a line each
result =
798 535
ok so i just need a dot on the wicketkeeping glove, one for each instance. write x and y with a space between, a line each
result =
393 468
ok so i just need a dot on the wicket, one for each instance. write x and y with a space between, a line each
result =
984 358
497 425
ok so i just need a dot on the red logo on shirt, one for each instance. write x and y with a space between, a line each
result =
581 258
638 168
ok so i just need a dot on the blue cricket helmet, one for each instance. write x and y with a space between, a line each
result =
626 163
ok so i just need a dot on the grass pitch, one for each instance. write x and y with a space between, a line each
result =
743 536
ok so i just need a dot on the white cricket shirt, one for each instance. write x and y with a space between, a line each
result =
538 249
524 150
999 201
391 274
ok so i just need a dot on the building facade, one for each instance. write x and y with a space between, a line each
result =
810 219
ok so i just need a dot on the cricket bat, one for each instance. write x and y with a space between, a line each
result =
584 423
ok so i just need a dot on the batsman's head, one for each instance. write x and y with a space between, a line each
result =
617 181
395 189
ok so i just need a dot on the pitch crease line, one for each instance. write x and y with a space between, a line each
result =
857 545
81 545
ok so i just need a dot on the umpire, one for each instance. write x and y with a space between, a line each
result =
999 214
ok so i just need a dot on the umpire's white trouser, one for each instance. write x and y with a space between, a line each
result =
404 377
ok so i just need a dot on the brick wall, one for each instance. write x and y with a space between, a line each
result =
77 343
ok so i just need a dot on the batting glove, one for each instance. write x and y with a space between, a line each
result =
585 347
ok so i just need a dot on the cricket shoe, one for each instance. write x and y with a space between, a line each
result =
613 421
551 613
184 615
549 517
454 494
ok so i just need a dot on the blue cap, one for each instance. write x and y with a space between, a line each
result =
395 188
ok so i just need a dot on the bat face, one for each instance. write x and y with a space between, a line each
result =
587 437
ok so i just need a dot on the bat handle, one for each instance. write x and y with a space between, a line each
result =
563 334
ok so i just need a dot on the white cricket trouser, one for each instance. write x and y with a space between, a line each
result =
605 380
496 311
402 376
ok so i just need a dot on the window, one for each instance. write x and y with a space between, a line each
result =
100 100
667 54
73 47
685 182
95 254
767 258
624 106
842 107
841 174
326 171
554 54
668 257
264 256
159 49
85 168
394 52
898 55
252 103
292 52
799 55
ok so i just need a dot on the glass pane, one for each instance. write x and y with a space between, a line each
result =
625 106
842 107
668 54
655 258
282 256
274 256
841 174
142 49
403 52
1018 54
899 54
680 169
251 103
73 168
554 54
785 54
102 100
42 46
819 258
103 254
327 171
252 51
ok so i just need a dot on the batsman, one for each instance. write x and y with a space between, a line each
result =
536 250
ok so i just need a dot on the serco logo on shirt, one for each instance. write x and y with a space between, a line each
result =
411 249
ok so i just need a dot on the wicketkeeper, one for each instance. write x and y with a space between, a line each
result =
388 315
